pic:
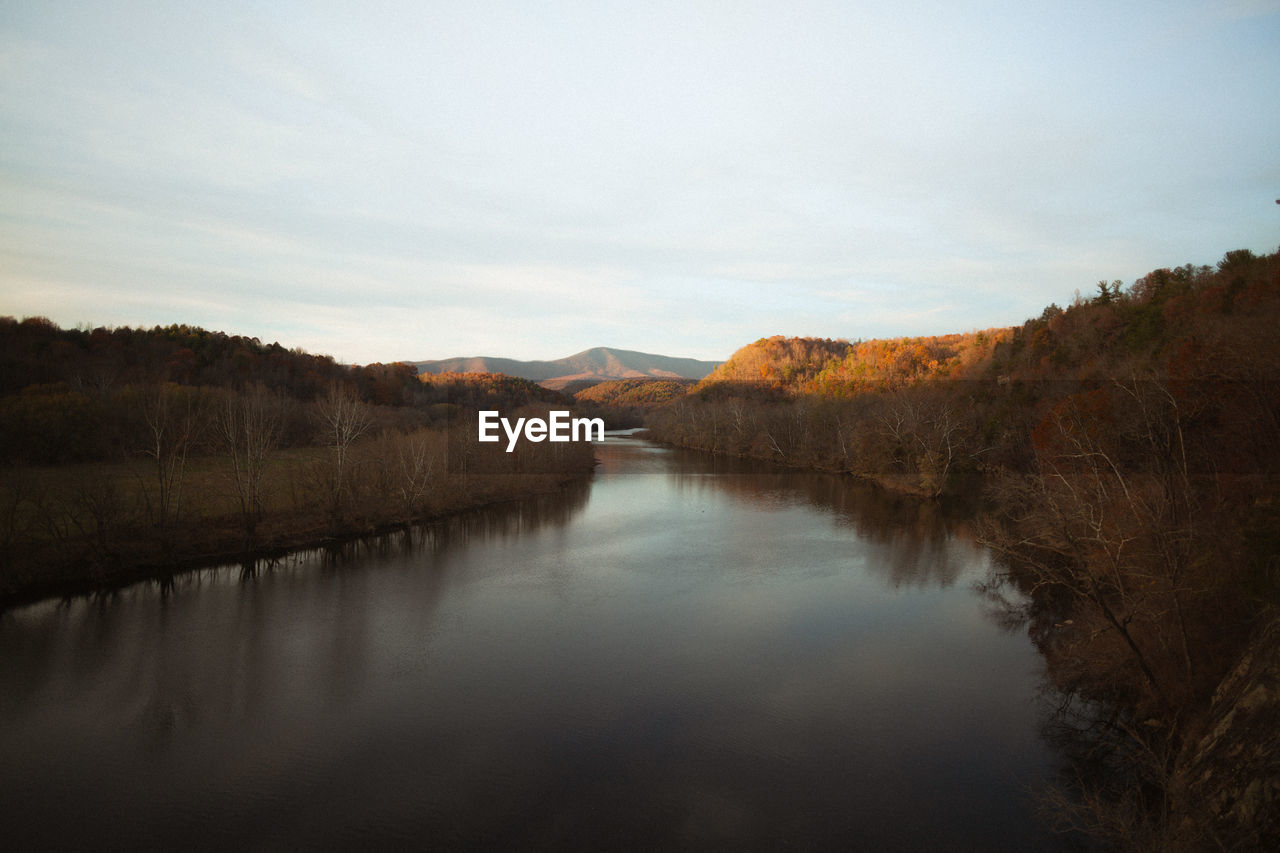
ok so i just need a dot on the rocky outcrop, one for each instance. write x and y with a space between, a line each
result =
1228 789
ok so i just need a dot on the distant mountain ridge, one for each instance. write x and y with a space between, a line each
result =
594 365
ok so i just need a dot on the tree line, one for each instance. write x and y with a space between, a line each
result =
126 451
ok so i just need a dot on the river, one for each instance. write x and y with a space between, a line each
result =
684 652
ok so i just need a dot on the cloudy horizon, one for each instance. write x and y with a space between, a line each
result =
407 181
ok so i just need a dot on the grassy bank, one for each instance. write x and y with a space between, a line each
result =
75 528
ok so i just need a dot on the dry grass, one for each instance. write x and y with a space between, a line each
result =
80 526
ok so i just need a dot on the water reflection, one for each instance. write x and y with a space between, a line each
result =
916 543
682 653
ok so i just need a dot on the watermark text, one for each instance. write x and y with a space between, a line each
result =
557 427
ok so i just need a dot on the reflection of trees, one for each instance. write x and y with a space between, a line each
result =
502 520
913 542
1105 790
921 544
508 519
176 665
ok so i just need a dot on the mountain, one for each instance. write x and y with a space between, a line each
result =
593 365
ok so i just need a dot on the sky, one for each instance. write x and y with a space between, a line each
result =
383 181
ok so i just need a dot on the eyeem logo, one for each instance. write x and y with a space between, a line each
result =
559 427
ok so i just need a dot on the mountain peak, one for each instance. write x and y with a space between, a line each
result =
592 365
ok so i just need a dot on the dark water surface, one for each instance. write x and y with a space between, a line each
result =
684 653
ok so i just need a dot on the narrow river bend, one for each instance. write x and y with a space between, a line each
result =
684 653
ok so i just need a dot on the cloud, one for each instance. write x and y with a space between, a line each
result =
690 175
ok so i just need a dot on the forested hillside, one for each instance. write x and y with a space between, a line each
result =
838 368
140 450
1127 449
921 413
624 403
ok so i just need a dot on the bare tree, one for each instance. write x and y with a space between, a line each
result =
174 419
248 428
344 418
925 430
940 437
418 459
19 503
1121 543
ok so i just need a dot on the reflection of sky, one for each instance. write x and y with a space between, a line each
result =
673 661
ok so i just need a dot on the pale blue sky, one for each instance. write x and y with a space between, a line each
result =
383 181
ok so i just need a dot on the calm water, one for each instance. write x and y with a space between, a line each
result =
683 653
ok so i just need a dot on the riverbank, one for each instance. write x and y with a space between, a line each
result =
83 531
901 484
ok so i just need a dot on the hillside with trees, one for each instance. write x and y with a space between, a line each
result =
133 452
1126 449
624 403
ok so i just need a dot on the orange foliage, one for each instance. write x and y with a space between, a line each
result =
838 368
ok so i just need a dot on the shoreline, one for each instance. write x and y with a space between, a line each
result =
126 570
898 485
